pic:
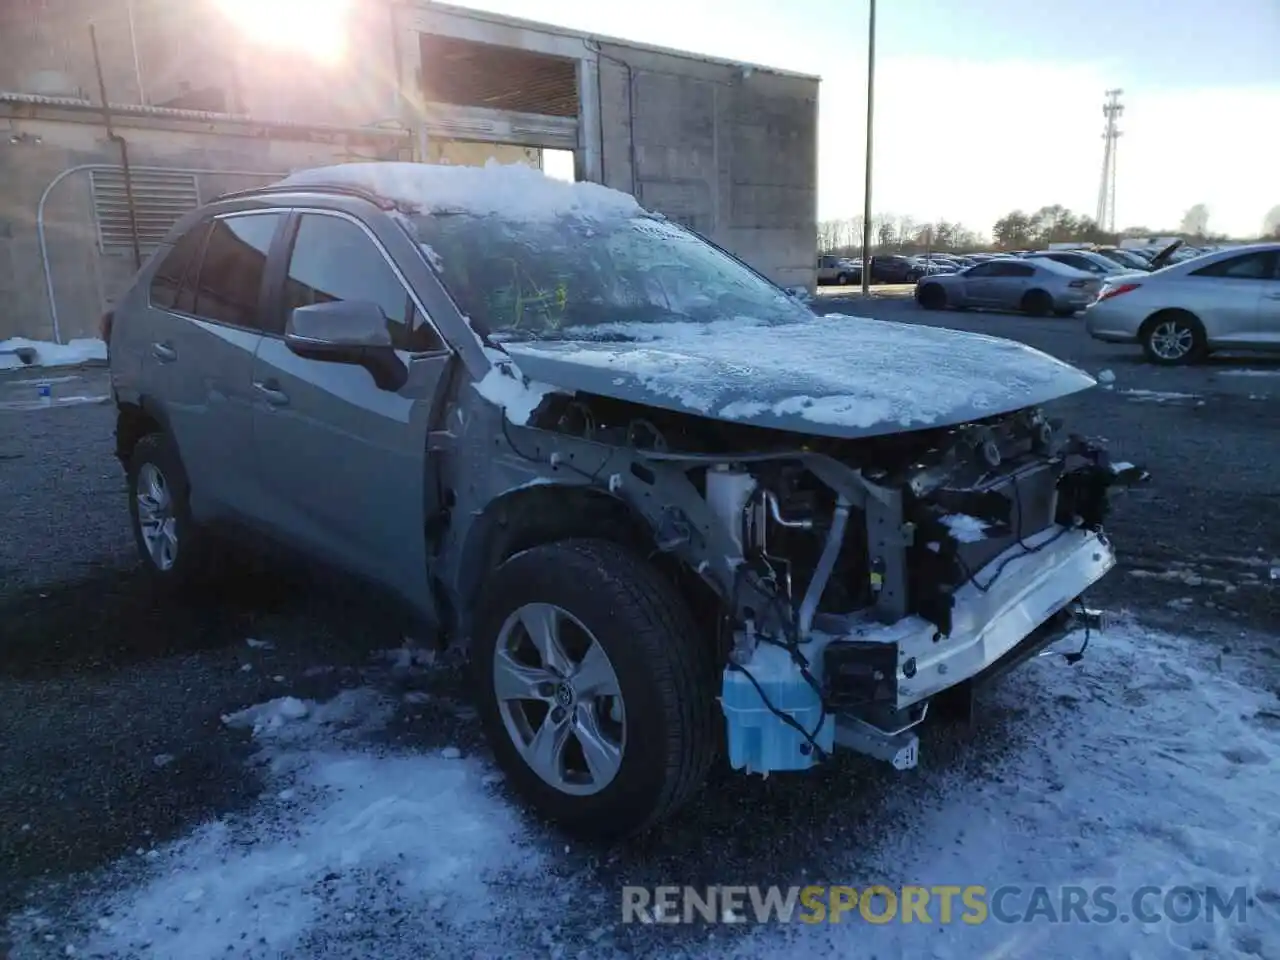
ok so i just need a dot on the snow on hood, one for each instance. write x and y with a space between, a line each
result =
818 376
514 191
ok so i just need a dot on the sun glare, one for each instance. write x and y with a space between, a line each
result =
315 27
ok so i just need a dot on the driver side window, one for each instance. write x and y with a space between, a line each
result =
333 259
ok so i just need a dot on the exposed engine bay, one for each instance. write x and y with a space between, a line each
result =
860 577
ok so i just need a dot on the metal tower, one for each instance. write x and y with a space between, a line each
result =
1106 214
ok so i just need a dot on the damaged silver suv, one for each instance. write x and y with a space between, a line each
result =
674 514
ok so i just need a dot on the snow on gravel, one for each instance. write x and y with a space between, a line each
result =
1152 762
45 353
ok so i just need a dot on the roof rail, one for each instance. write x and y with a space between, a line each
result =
340 189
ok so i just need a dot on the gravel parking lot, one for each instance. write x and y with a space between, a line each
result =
113 738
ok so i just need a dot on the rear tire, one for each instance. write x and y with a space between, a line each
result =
608 606
174 550
842 280
932 297
1037 303
1173 338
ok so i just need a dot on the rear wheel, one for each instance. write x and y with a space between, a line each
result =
174 550
596 691
1037 303
931 296
842 279
1173 338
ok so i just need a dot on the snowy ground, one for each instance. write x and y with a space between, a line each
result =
130 812
19 352
1152 762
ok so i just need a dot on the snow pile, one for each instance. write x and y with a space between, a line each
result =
888 374
1157 396
347 846
964 528
515 192
504 386
43 353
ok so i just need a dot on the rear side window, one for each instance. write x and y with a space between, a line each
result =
1250 266
168 276
1010 269
333 259
229 285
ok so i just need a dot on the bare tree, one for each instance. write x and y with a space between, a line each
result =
1195 222
1271 223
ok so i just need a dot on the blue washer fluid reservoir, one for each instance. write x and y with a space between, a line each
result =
760 741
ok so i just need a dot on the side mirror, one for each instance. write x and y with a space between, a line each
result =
347 331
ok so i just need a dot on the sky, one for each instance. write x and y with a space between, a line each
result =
987 106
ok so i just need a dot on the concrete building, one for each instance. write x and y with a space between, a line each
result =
198 108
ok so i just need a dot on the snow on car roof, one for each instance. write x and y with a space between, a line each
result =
514 191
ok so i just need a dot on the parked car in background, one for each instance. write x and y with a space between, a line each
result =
1125 258
932 267
1034 286
894 268
1084 260
1181 313
841 271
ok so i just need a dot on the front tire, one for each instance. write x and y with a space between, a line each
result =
1173 339
931 296
173 549
596 692
1037 303
842 280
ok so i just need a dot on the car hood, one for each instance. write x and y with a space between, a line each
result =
834 376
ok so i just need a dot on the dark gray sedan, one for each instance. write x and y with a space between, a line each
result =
1037 287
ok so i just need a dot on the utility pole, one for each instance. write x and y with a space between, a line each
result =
1106 213
866 189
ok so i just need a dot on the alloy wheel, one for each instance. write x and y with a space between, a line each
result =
1172 340
559 699
156 518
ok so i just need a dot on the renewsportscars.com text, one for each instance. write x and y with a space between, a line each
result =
974 904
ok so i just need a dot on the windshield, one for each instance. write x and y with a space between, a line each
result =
559 279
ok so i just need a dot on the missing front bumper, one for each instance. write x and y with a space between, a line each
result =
1007 602
876 681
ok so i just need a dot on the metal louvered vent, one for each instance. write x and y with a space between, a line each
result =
159 199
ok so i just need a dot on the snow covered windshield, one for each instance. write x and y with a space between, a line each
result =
522 280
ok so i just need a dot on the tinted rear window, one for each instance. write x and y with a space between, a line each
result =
168 276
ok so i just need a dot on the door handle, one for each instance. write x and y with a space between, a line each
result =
163 352
275 396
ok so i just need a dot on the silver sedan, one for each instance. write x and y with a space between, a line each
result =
1225 300
1036 286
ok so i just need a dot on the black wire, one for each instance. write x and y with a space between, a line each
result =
792 646
972 577
1078 655
506 434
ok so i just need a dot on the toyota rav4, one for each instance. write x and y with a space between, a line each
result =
675 516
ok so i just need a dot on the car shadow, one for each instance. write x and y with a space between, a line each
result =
116 617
